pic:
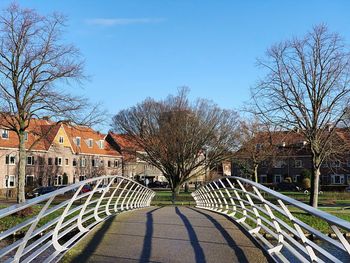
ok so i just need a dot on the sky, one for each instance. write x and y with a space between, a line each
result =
150 48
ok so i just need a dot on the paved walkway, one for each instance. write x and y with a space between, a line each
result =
167 234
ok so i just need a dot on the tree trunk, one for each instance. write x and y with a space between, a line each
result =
256 173
21 169
315 181
175 193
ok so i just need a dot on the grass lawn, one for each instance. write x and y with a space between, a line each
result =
334 203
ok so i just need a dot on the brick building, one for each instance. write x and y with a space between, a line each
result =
292 157
133 166
57 154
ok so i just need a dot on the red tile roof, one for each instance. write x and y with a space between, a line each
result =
41 133
125 142
86 133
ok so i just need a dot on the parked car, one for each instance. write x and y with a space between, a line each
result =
286 186
158 184
86 188
40 191
102 188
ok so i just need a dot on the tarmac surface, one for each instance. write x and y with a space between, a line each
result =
167 234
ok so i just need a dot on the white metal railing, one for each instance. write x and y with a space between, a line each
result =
63 216
270 218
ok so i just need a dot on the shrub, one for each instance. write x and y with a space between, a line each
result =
25 212
305 173
306 183
288 179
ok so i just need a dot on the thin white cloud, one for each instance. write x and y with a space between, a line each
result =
122 21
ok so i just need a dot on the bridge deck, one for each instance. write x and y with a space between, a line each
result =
167 234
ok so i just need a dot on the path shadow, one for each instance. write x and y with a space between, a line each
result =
198 250
90 248
229 240
147 241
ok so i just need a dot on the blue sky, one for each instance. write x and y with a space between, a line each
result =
139 49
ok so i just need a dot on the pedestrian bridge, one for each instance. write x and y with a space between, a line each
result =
235 220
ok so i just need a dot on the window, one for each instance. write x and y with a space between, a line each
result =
83 162
30 160
101 163
49 161
41 160
100 144
116 163
77 141
82 178
337 179
297 178
58 161
90 143
74 162
66 161
280 164
262 178
5 134
94 163
335 163
278 178
298 163
264 163
10 181
61 140
10 159
26 136
58 180
30 180
109 163
258 146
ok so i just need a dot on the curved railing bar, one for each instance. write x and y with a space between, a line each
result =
80 217
251 205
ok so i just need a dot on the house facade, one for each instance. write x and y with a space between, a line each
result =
292 158
57 154
133 166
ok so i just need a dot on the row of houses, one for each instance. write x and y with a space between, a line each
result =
291 158
61 153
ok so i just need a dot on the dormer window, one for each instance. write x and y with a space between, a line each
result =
5 134
90 143
77 141
100 144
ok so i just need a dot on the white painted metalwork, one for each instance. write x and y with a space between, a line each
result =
62 217
272 219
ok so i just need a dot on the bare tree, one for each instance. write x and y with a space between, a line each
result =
256 146
180 138
33 60
307 87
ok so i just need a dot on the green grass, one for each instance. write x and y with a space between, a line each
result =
326 198
164 197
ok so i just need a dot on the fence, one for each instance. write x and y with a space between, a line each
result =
270 218
60 218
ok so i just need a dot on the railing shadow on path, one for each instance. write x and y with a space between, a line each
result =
91 247
230 241
198 250
147 242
